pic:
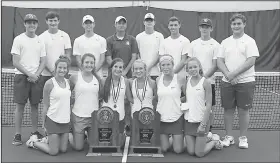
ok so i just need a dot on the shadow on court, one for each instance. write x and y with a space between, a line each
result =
263 147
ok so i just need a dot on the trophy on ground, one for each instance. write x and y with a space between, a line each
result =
104 140
145 134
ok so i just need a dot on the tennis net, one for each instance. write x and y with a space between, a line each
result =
265 114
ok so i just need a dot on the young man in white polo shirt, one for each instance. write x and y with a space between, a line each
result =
236 59
205 49
90 42
148 43
57 43
176 45
29 53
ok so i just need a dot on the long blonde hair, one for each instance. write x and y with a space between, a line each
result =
198 62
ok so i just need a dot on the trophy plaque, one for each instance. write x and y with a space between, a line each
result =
145 139
104 139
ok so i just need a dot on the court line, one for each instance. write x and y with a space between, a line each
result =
125 152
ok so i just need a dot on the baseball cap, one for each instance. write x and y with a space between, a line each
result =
30 17
149 16
120 18
88 17
206 21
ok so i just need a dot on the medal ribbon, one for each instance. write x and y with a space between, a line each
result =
116 94
143 93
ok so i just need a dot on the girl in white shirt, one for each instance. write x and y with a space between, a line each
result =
169 87
115 90
143 88
199 100
56 111
86 85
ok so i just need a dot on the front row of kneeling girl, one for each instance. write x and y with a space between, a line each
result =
183 125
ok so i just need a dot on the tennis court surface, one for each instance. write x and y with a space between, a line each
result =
263 137
263 147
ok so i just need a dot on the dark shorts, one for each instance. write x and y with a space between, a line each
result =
56 128
24 90
81 124
45 79
239 95
213 94
191 129
174 128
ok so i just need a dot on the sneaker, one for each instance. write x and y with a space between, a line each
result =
243 142
31 140
17 140
30 143
209 137
39 136
45 140
228 140
215 137
219 145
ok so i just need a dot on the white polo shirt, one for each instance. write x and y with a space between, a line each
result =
205 52
175 47
148 45
235 52
55 45
95 45
30 51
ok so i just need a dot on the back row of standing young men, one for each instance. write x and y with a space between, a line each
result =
34 58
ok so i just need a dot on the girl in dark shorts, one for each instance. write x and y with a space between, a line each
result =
115 90
169 87
56 111
199 103
87 86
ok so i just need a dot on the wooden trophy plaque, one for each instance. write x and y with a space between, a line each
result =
145 139
104 139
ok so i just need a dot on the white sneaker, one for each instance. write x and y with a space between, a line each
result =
31 140
34 138
209 137
215 137
45 140
243 142
229 140
219 145
30 143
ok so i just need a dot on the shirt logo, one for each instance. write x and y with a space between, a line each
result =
127 43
